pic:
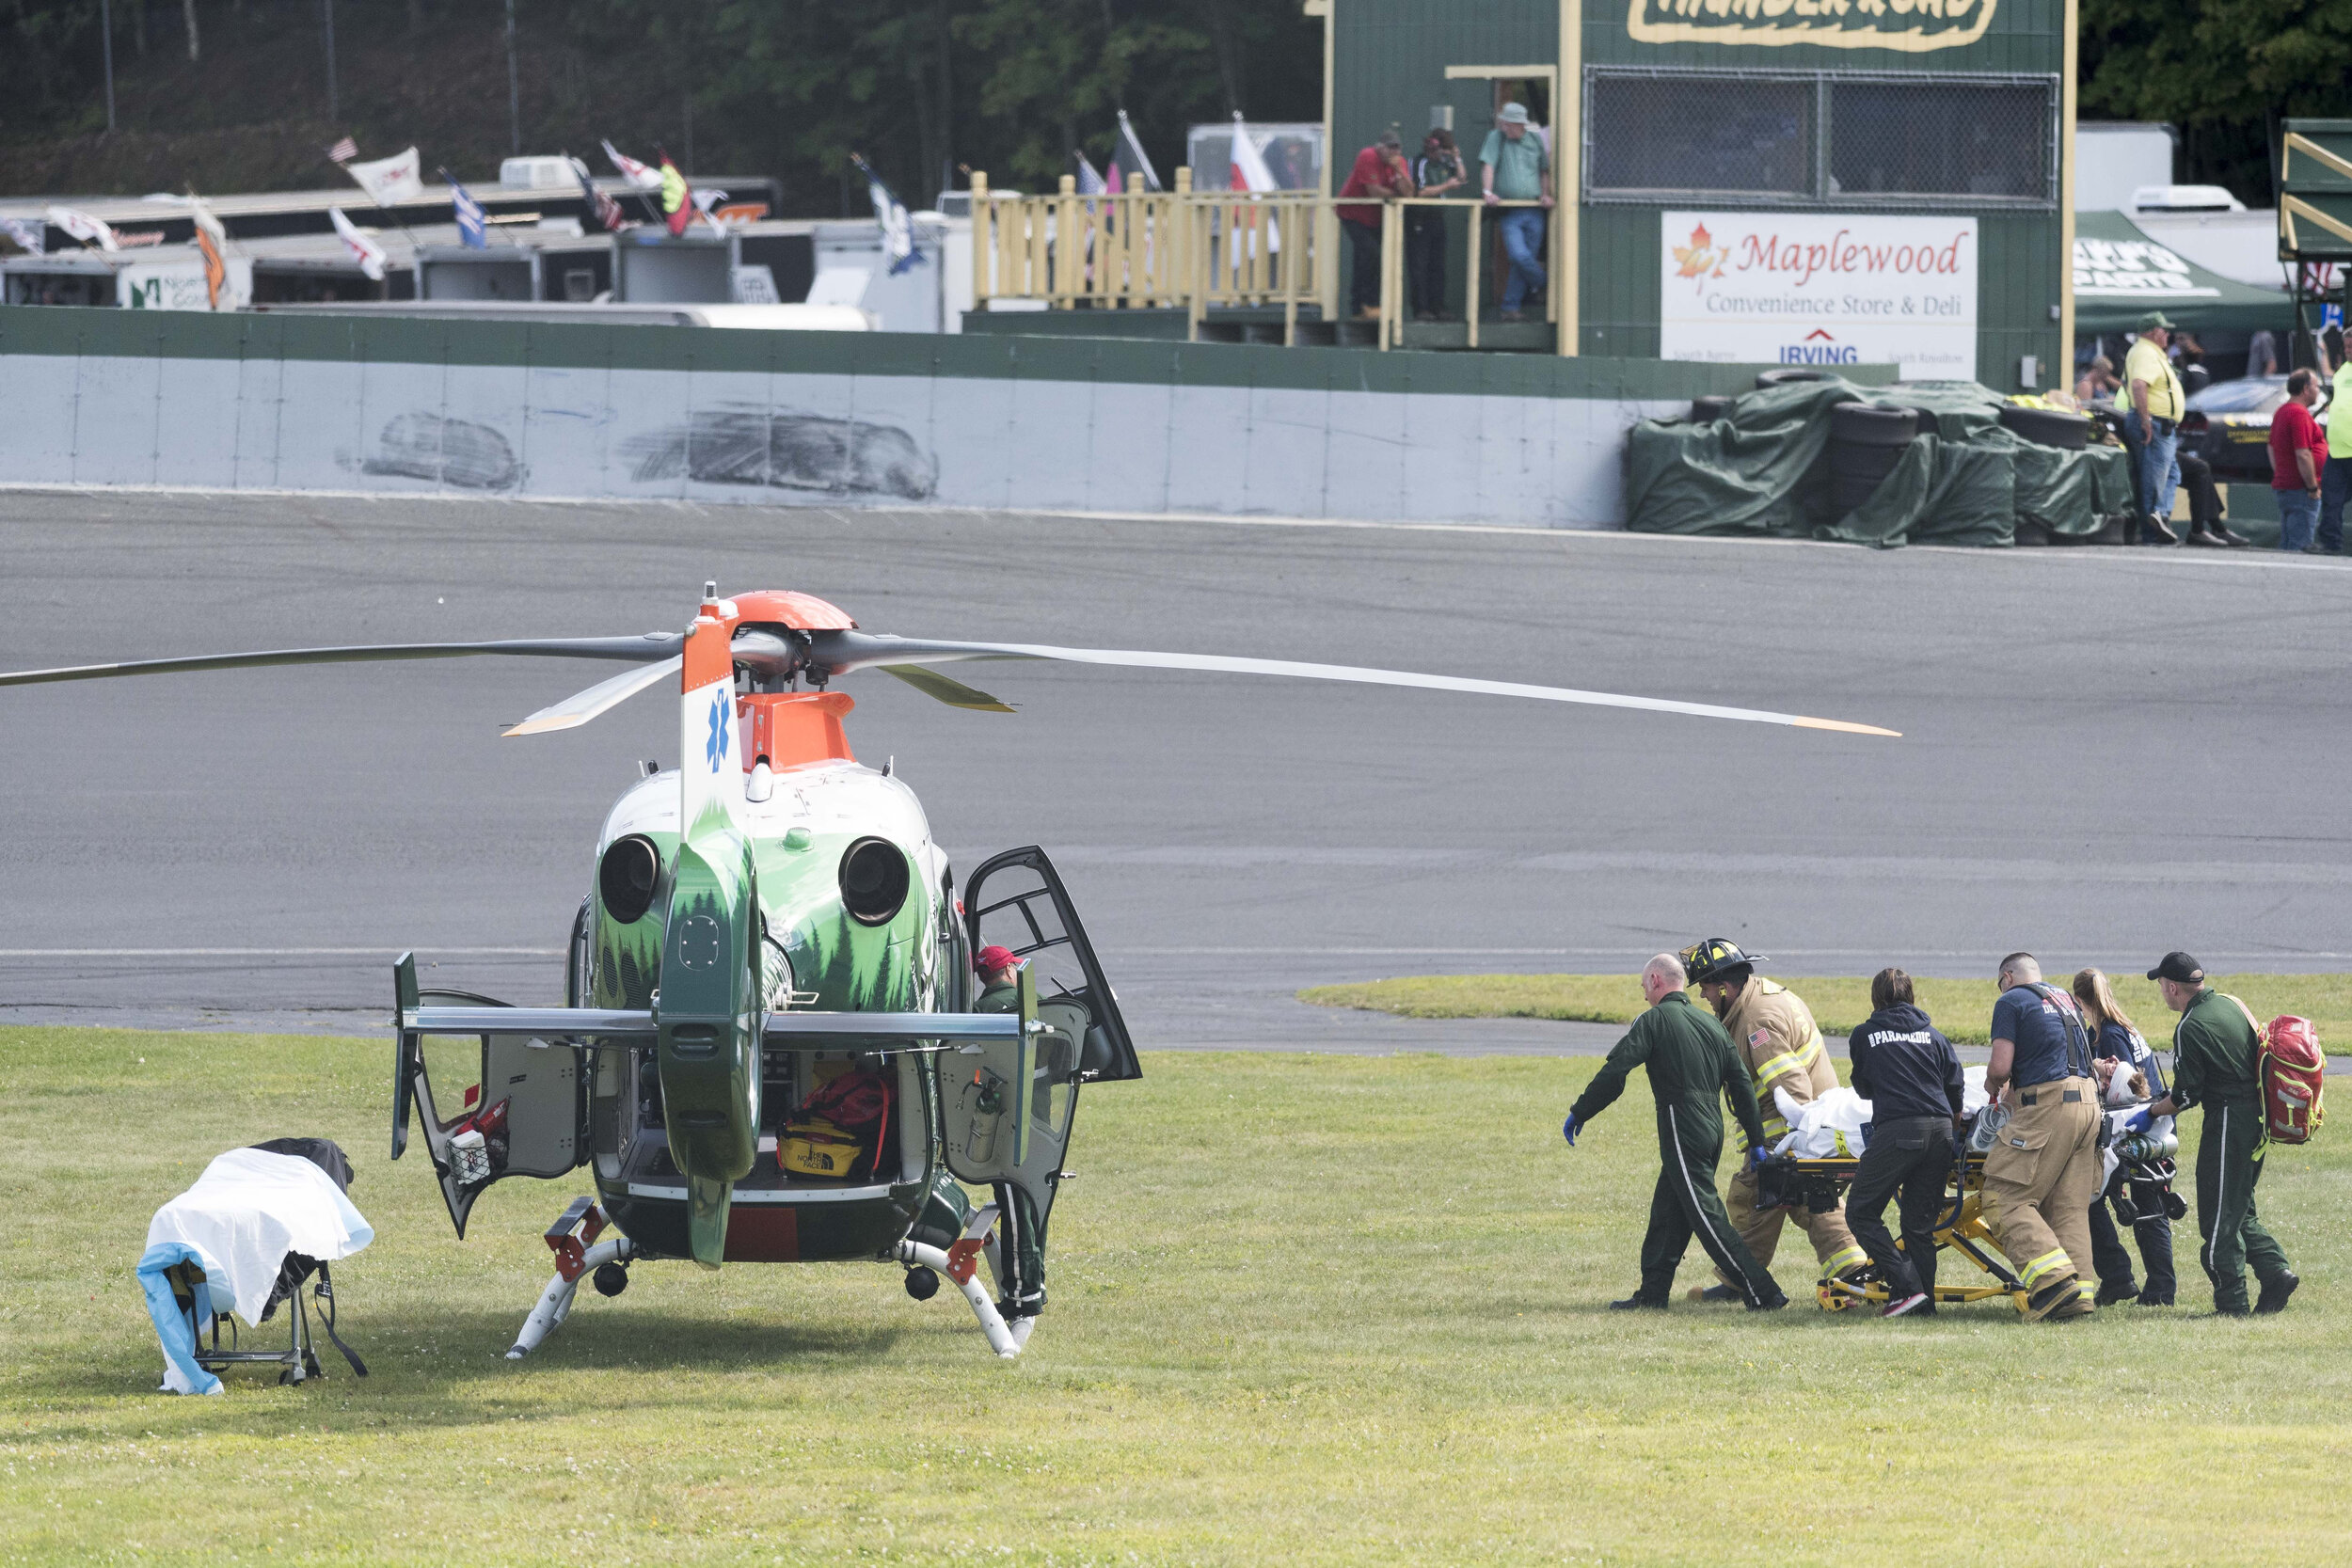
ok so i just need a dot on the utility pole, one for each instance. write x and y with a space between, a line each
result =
513 83
107 33
333 101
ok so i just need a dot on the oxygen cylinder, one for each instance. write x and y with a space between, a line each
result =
2142 1148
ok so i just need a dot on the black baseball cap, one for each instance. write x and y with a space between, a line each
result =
2179 968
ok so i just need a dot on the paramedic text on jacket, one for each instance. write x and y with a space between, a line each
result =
1910 1073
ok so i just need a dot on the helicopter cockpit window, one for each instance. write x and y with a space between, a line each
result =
1021 914
1017 901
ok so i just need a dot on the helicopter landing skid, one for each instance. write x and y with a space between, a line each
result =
960 1261
555 1302
573 1239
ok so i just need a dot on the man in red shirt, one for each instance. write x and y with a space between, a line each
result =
2299 452
1379 171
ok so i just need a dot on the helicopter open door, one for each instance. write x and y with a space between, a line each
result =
523 1111
1016 900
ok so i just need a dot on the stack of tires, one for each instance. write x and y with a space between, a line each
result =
2049 427
1864 444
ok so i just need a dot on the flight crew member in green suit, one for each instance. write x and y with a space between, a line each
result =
2217 1063
1690 1062
1024 1295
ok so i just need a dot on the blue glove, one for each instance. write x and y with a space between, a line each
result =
2138 1121
1568 1129
1756 1157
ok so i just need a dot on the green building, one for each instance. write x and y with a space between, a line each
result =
1833 181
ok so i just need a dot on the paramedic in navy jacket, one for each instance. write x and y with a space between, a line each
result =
1909 1072
2120 1040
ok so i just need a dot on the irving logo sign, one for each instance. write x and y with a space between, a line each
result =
1910 25
1825 289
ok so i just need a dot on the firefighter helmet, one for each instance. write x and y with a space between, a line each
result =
1715 958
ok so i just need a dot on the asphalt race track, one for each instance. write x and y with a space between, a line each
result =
2105 754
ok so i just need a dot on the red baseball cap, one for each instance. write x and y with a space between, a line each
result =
990 959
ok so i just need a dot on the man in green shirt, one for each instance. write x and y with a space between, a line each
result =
2335 479
1515 166
2217 1063
1690 1062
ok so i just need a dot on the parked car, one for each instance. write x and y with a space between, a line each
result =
2227 423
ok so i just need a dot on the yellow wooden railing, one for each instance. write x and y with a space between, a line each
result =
1198 250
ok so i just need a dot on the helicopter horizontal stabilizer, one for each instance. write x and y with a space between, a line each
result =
586 1027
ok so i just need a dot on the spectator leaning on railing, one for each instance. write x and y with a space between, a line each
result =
1379 171
1436 173
1515 166
2297 452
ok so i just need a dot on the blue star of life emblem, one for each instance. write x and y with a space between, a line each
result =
716 749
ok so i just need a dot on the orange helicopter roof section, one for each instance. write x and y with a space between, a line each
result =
796 729
800 611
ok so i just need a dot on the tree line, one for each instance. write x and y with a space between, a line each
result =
923 89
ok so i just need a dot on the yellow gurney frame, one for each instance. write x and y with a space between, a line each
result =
1960 1229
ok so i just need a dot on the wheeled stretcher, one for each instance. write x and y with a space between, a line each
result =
1961 1227
1821 1183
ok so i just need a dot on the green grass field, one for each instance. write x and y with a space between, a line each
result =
1961 1008
1305 1309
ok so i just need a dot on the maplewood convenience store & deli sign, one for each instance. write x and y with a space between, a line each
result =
1825 289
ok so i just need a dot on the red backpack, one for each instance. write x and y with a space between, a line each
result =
2292 1074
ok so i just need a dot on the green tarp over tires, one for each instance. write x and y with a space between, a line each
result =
1965 479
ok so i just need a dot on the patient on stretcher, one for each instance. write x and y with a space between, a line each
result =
1837 1125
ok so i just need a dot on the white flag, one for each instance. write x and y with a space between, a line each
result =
369 253
1250 172
387 180
630 169
84 228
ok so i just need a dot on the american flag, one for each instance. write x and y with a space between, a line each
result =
343 151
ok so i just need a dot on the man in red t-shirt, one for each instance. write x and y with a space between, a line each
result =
1379 171
2299 451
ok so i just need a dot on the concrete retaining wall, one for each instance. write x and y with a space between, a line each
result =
94 397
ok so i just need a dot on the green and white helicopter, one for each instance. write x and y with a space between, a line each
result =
772 1049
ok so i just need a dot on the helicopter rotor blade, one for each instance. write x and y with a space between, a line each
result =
954 693
843 652
581 706
652 645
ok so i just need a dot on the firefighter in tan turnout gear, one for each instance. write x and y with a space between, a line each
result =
1775 1035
